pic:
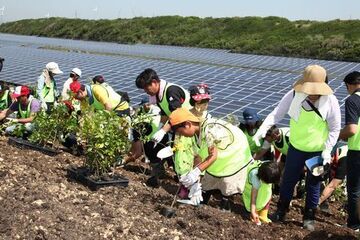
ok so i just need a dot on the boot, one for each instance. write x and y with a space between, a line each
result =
309 219
206 196
153 182
158 170
226 204
263 215
280 214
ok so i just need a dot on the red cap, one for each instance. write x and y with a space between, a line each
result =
75 86
21 91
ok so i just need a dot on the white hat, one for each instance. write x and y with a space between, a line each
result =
77 71
53 67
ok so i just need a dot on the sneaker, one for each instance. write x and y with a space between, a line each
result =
309 225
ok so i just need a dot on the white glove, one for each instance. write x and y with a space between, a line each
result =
159 135
44 106
189 179
258 136
326 155
195 193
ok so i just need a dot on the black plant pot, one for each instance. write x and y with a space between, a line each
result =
22 143
86 177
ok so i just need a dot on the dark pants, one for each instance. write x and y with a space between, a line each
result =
353 188
151 151
50 106
294 165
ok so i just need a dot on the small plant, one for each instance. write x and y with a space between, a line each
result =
105 137
141 123
50 129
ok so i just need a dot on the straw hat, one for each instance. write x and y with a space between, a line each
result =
313 81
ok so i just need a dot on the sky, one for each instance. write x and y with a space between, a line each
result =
321 10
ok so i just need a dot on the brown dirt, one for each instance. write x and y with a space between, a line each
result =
38 201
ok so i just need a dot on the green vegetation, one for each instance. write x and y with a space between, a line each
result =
333 40
105 138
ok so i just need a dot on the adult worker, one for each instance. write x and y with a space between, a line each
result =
166 95
75 75
351 134
100 97
46 86
224 153
26 106
5 98
314 126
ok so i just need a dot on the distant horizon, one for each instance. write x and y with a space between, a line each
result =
129 18
295 10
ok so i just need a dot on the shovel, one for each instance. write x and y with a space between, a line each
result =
170 212
165 152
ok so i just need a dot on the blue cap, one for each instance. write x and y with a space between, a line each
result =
250 115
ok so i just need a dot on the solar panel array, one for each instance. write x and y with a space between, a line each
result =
236 80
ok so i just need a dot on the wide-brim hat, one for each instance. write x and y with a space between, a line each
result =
313 81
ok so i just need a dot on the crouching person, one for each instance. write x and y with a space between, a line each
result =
26 106
225 156
258 189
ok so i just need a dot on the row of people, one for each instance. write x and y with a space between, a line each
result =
223 153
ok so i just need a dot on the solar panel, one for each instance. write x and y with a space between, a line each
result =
236 80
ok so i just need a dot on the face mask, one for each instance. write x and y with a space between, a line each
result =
201 107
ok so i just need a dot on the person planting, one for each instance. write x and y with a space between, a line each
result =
224 152
258 189
100 97
26 106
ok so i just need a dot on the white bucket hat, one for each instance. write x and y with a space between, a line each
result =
77 71
53 67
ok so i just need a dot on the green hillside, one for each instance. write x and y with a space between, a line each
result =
332 40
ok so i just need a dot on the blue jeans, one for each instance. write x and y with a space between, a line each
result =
353 188
294 166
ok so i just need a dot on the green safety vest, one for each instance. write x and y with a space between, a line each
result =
164 104
264 192
354 141
27 112
48 93
231 159
309 133
253 147
4 100
115 98
285 134
184 154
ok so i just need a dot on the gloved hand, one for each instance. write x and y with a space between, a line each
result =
159 135
44 106
326 155
195 193
189 179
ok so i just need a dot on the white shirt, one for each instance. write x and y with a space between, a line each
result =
332 115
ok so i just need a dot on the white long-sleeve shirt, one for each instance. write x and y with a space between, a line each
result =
333 116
